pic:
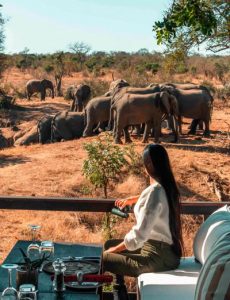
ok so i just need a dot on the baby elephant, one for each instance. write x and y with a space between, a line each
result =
67 126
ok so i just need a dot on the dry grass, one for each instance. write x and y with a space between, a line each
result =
55 170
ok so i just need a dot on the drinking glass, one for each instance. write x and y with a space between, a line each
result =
47 249
10 292
33 250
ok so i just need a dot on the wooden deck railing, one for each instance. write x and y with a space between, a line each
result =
91 204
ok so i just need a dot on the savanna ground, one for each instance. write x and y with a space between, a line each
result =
56 170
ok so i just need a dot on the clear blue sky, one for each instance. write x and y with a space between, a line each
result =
46 26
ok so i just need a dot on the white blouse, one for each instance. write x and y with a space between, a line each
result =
152 218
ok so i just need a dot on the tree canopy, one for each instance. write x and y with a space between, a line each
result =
197 22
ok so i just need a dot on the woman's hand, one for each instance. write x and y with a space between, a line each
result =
121 203
120 247
111 250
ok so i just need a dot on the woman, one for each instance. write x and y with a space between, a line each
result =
154 244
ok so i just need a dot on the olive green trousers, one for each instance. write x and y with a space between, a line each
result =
154 256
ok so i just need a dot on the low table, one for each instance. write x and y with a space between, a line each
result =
45 287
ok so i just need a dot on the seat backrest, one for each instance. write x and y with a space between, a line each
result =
213 229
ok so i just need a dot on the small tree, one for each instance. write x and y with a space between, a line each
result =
57 66
104 164
81 50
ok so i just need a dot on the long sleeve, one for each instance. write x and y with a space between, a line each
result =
148 215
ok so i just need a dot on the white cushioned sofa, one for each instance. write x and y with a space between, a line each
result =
204 276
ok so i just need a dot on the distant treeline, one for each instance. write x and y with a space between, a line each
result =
142 62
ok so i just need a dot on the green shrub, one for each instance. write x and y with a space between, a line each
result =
223 93
48 68
103 165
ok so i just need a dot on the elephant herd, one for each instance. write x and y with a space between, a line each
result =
124 107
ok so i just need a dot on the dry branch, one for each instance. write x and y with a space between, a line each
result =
216 184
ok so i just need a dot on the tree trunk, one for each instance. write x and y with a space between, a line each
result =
58 80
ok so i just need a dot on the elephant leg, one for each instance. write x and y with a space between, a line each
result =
142 128
43 95
193 126
75 106
127 135
157 131
79 106
28 95
170 124
136 130
207 130
109 128
88 131
72 106
96 129
174 124
114 124
146 132
117 135
180 124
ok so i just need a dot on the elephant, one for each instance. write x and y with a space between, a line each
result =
119 83
195 104
119 92
39 86
44 129
67 126
80 96
134 109
97 112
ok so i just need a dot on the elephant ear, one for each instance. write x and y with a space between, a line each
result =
165 102
79 91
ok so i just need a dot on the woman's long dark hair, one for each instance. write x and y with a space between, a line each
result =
158 166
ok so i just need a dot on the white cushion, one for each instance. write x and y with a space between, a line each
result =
216 226
174 284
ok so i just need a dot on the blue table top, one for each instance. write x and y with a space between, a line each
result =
45 287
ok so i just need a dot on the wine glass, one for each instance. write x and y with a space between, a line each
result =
10 292
47 249
33 249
